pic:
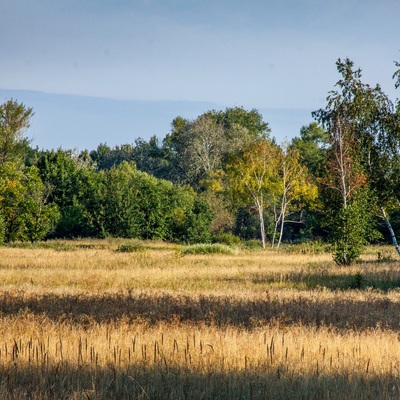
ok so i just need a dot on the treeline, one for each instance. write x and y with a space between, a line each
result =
219 177
62 195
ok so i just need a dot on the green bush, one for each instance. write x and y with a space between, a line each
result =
349 234
253 244
227 238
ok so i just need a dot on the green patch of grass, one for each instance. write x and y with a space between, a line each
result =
206 248
132 247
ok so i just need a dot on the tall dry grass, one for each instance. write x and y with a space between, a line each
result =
44 359
82 320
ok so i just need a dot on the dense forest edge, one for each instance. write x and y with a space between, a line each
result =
220 178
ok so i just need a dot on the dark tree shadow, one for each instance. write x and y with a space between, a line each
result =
139 381
347 312
383 280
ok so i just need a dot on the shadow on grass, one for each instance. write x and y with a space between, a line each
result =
340 311
63 381
383 280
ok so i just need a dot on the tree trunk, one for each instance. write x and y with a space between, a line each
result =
276 219
281 230
393 236
261 218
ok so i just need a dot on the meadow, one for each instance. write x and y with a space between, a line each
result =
119 319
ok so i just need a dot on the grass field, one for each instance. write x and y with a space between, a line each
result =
118 319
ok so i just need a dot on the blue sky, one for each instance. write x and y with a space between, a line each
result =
113 70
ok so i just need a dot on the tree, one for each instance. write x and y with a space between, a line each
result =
312 145
356 119
204 149
295 189
396 75
24 207
173 148
150 157
39 216
135 204
70 176
196 148
14 121
12 194
106 157
237 117
253 176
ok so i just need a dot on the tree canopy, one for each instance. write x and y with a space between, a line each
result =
216 176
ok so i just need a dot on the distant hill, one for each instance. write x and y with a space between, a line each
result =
71 121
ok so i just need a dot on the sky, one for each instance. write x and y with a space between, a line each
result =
111 71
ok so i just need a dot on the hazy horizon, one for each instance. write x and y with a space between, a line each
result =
74 118
178 57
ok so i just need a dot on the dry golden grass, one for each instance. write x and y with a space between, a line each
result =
97 266
82 320
134 360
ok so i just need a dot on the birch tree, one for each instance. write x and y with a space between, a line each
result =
363 136
295 188
252 177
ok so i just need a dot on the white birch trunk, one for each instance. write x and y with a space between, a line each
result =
393 236
260 206
283 214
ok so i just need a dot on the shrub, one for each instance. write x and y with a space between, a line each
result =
227 238
253 244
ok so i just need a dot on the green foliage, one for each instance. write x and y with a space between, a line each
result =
348 235
24 206
247 224
223 214
197 227
236 176
227 238
253 244
2 230
71 179
311 146
14 121
396 75
129 203
39 216
205 248
251 120
195 149
132 247
362 160
253 178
